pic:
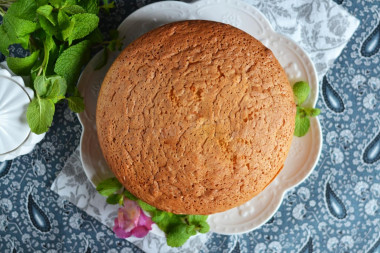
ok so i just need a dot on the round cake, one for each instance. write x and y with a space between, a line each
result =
195 117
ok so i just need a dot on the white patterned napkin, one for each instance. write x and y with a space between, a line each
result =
321 28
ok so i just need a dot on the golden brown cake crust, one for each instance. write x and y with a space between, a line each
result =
195 117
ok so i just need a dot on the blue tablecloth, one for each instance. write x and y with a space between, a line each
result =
337 209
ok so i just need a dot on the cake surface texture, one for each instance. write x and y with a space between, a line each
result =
195 117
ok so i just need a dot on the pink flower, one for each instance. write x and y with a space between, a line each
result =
131 220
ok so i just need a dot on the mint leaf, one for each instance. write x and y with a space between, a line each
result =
204 227
177 235
108 186
63 20
16 27
41 2
158 216
145 206
68 30
40 85
73 9
25 9
301 91
48 27
114 199
312 112
69 3
107 6
56 88
196 219
91 6
56 3
22 66
5 41
76 104
40 114
191 230
129 195
70 62
46 11
52 50
302 125
84 24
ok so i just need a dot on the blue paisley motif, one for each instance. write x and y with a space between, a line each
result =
332 98
308 248
372 151
334 204
372 44
37 216
375 248
5 167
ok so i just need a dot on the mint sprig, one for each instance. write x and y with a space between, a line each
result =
301 91
59 35
108 187
178 228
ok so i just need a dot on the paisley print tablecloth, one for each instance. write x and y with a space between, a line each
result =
337 209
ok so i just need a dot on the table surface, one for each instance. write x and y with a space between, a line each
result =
337 209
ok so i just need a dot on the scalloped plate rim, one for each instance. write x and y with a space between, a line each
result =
312 100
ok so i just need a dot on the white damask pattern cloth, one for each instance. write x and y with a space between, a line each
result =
321 28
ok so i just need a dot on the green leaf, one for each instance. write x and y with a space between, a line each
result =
76 104
145 206
107 6
158 216
129 195
191 230
301 91
177 235
63 20
302 125
53 53
73 9
70 62
17 28
114 199
46 11
196 219
312 112
204 227
22 66
91 6
40 85
69 3
40 114
84 24
41 2
56 88
5 41
25 9
68 30
169 220
48 27
56 3
108 186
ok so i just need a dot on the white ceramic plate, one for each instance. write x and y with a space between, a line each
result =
304 152
15 136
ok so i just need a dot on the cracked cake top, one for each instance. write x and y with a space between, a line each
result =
195 117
